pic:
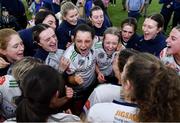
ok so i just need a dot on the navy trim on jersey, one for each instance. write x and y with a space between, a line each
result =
125 103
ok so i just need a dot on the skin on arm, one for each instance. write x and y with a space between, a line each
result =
127 5
120 47
101 77
68 44
59 102
142 6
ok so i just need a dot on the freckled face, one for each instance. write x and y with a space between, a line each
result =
15 49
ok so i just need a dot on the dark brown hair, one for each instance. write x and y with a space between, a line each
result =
156 88
37 30
158 18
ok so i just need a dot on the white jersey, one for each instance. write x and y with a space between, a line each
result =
83 66
55 118
53 59
10 90
103 93
104 62
115 112
169 59
63 117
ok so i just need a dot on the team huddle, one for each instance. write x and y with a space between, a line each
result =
89 71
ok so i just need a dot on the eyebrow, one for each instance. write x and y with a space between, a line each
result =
17 43
173 36
127 31
50 21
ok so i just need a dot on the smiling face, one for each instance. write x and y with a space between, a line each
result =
51 21
72 16
97 18
173 42
127 32
83 42
48 40
150 29
15 49
110 43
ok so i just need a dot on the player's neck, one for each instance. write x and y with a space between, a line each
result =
177 58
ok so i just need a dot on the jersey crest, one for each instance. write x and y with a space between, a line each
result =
101 55
81 62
